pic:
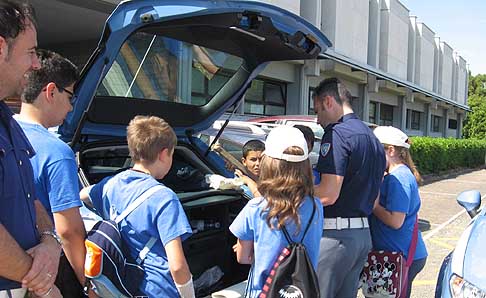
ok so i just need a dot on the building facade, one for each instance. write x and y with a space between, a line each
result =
398 70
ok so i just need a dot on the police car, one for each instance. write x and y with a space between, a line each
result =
187 62
463 273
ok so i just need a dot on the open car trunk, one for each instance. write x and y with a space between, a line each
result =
187 62
209 211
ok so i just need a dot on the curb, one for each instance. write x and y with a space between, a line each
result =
427 179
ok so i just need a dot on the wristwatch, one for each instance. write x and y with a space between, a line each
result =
53 235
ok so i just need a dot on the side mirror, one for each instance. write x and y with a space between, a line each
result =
470 200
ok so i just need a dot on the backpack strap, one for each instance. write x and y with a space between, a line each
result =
145 250
413 244
286 234
145 195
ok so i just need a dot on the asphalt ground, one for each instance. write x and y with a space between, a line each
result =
442 221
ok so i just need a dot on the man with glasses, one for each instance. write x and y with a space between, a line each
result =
351 166
29 253
46 100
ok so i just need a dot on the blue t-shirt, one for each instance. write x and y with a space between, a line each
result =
160 216
251 225
399 192
55 170
17 194
350 149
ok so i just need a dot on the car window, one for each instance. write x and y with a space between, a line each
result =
156 67
205 139
232 148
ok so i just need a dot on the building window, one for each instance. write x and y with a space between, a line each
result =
413 119
372 112
311 101
386 114
436 120
266 97
203 89
452 124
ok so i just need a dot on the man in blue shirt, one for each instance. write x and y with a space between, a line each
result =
351 165
46 100
24 262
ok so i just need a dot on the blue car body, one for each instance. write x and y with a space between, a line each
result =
151 60
463 270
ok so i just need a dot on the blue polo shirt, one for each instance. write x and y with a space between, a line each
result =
17 213
399 193
160 216
350 149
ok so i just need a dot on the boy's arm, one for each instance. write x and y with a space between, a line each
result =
252 185
84 196
179 269
70 227
244 251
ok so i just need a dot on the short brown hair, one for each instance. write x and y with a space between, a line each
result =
147 136
335 88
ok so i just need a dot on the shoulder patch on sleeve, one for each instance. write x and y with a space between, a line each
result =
325 147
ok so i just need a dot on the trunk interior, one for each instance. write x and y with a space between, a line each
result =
209 211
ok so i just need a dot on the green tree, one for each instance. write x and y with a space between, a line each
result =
475 123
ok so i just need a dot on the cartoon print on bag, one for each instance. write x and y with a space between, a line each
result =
377 277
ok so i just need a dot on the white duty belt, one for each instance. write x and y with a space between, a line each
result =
341 223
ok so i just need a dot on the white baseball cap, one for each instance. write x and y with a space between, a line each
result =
391 136
282 137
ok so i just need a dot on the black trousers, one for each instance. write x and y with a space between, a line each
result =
66 280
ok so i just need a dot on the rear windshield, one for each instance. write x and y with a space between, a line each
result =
155 67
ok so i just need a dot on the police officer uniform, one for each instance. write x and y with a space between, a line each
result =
348 149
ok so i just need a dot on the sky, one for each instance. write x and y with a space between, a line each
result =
461 24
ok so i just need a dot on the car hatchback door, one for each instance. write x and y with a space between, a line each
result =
184 61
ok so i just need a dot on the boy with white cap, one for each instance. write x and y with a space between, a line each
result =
395 212
286 186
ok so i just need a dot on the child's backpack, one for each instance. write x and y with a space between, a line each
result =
292 274
111 272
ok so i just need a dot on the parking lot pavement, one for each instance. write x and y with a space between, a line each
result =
442 221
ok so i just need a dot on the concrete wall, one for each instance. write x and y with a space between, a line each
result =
412 48
374 24
346 24
461 80
281 71
394 38
290 5
447 70
424 58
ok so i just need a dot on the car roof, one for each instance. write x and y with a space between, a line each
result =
310 118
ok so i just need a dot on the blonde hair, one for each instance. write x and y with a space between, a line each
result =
284 185
406 158
147 136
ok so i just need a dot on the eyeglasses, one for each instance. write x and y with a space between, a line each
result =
71 99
